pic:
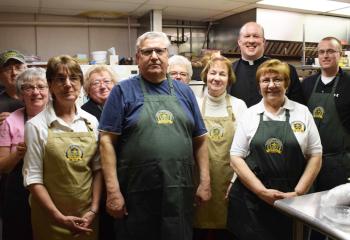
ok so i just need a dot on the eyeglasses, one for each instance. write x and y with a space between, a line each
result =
98 82
27 88
327 51
149 51
181 74
62 79
17 68
276 81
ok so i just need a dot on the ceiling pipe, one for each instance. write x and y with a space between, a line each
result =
93 24
69 24
184 26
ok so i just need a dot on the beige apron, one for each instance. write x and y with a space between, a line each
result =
67 176
212 215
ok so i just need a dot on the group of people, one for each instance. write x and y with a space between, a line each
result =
147 159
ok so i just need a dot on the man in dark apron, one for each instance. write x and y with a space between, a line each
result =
328 99
329 103
151 133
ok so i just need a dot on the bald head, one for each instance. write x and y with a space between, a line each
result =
250 25
251 41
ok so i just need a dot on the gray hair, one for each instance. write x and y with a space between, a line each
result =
152 35
97 69
181 60
29 75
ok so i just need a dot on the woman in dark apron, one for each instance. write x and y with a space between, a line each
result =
32 86
276 154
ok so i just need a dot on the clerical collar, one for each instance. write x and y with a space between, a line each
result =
253 62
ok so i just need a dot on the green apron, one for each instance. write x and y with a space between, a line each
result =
334 138
155 171
213 214
276 159
67 176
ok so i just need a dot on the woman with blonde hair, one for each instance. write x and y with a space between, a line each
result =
98 83
276 154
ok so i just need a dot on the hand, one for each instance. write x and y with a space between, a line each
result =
76 225
21 150
203 193
3 116
270 195
288 195
115 205
89 216
228 190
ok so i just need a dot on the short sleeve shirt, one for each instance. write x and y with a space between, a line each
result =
36 135
124 104
301 121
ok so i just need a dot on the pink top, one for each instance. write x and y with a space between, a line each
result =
12 130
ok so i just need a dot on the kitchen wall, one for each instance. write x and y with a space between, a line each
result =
282 25
63 38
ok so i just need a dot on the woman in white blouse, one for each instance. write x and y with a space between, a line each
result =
220 112
276 154
62 164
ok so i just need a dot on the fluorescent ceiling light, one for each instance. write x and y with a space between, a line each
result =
344 11
311 5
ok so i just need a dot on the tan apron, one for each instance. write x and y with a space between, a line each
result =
67 176
212 215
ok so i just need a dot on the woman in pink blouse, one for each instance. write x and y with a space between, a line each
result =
33 90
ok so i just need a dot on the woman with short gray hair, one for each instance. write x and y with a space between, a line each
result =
180 68
33 90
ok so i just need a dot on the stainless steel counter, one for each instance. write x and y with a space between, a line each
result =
306 210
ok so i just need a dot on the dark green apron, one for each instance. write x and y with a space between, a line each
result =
155 171
276 159
334 138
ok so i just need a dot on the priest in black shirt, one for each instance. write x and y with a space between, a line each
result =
251 42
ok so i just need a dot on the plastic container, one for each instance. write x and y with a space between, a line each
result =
99 57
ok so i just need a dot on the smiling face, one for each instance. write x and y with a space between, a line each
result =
217 78
272 88
35 94
153 64
329 53
251 41
100 86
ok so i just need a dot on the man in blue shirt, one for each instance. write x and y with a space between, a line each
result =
152 134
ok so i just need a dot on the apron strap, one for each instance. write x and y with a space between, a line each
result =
336 80
229 107
287 114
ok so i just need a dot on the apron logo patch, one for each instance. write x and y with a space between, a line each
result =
216 132
298 126
274 145
164 117
74 153
318 112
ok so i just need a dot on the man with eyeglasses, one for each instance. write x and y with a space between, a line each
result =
251 42
12 63
151 135
328 99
